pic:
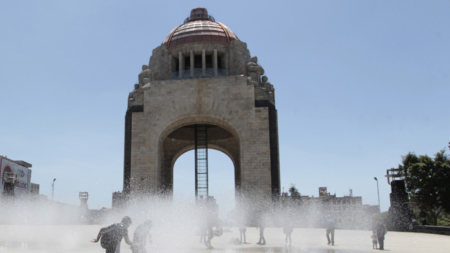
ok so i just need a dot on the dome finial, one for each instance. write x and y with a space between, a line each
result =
199 13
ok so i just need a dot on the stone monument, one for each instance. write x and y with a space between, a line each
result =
201 77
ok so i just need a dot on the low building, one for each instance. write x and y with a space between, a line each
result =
15 177
347 211
34 189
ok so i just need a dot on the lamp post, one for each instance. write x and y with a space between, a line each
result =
378 191
53 188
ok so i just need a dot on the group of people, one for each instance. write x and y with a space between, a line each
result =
287 230
110 237
378 233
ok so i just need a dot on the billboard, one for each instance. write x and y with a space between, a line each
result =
23 184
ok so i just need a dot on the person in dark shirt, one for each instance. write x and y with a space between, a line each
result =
111 236
210 235
262 240
381 231
141 235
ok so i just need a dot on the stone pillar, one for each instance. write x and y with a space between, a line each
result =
180 64
227 67
215 62
170 65
192 63
203 62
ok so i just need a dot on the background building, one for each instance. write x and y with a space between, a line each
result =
347 211
22 172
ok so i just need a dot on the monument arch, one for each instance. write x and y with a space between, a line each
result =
201 85
179 137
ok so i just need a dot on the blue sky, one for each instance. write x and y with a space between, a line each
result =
358 85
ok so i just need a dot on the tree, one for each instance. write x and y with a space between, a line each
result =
295 195
427 182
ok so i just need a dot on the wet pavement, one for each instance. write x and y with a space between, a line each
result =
52 239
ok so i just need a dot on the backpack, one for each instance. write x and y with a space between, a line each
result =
109 236
235 241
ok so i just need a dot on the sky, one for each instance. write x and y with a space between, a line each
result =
358 85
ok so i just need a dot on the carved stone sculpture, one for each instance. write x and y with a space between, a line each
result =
264 82
254 69
249 81
270 87
145 74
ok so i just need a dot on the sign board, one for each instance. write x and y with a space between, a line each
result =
23 184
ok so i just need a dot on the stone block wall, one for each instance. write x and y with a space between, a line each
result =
228 102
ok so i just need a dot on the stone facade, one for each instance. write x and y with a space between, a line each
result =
171 98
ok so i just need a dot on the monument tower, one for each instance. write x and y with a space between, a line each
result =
201 90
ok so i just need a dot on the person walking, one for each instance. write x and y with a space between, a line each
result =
262 240
210 236
381 231
141 236
242 230
287 229
112 235
330 225
203 228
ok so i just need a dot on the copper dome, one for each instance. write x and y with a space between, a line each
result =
199 27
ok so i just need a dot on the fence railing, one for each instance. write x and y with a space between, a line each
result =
198 73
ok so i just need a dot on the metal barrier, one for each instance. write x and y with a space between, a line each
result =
432 229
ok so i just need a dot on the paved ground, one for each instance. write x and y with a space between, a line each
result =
52 239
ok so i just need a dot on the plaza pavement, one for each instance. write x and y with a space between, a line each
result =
52 239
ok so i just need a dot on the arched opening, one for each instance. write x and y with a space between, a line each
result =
179 138
221 180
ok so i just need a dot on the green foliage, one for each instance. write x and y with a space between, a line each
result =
443 220
383 216
427 182
295 195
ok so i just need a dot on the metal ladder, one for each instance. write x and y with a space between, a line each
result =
201 161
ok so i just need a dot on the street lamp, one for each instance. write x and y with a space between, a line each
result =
53 188
378 190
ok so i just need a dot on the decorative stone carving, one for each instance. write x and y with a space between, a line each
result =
145 74
136 86
266 85
264 82
249 81
254 70
270 87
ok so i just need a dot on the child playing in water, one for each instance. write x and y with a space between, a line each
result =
112 236
141 235
374 241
